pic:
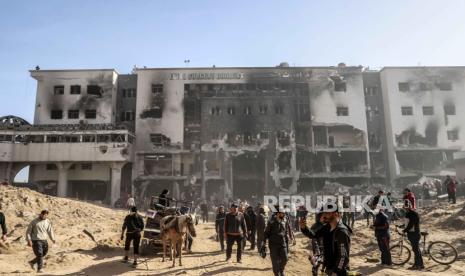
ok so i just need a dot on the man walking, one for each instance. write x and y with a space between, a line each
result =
381 227
133 225
36 236
251 220
260 227
413 234
234 231
204 211
277 236
452 190
219 226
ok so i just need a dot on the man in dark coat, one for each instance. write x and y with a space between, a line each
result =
336 239
133 225
277 236
219 226
381 227
251 226
260 225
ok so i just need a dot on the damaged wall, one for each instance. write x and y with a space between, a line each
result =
428 93
102 100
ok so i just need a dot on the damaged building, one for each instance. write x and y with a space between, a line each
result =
239 132
423 112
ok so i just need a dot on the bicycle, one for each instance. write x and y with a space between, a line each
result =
438 251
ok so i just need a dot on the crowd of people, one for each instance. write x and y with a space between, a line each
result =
271 230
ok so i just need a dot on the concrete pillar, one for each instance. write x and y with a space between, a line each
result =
62 187
115 189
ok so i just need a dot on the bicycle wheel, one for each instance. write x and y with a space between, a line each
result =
442 252
400 254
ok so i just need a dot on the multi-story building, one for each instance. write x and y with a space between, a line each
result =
424 111
234 132
249 131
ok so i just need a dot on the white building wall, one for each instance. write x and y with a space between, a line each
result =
46 100
100 172
394 99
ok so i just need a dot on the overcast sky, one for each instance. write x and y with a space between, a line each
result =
120 34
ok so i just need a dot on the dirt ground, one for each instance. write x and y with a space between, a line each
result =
76 254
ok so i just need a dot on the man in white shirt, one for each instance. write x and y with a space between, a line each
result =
36 235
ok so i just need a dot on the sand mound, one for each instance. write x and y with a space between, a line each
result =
69 218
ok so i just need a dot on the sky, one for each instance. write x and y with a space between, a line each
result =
56 34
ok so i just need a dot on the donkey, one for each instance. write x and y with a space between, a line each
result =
174 231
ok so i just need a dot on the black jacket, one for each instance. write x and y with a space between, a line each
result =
3 223
260 225
133 223
250 220
235 224
413 222
381 225
163 200
336 245
219 222
276 233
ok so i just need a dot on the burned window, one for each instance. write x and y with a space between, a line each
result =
371 90
407 110
58 90
304 111
73 114
94 90
88 138
151 113
452 135
91 114
129 93
215 111
425 86
128 116
247 110
264 134
75 89
103 138
69 139
51 167
279 109
159 140
428 110
449 109
340 86
157 88
404 86
231 110
86 166
56 114
263 109
444 86
72 167
342 111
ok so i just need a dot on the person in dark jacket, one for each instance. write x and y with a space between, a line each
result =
260 225
163 198
277 236
204 211
133 225
251 220
3 226
381 227
234 231
336 239
413 234
219 226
